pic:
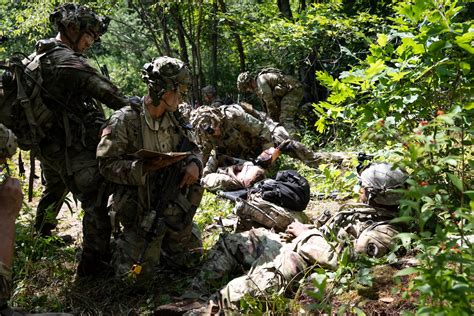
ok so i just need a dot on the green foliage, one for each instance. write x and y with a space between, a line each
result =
270 304
411 72
400 82
412 95
210 208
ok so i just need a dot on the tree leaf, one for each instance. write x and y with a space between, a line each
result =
407 271
375 68
456 181
465 41
382 39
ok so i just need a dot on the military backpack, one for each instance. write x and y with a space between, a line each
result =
21 106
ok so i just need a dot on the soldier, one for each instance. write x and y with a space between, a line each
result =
11 197
151 126
275 265
71 88
10 205
280 94
210 97
232 133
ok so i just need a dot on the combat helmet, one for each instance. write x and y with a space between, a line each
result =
244 80
83 18
205 120
380 180
165 74
209 90
8 143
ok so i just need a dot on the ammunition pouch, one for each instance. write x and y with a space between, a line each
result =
125 209
266 214
180 211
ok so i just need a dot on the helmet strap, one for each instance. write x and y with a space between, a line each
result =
156 96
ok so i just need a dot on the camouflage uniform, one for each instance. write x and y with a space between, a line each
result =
127 131
281 95
293 148
8 143
242 136
67 153
8 147
211 98
274 266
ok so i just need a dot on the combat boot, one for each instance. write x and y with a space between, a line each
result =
93 264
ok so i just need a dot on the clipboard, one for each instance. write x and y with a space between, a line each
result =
149 154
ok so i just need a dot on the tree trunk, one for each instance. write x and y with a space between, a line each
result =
302 5
164 25
142 13
214 43
183 50
285 9
238 41
195 63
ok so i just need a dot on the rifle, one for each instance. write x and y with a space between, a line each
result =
323 196
155 224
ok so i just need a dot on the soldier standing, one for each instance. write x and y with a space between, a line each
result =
139 182
71 89
280 94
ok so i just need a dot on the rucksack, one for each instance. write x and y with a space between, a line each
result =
270 70
289 189
21 107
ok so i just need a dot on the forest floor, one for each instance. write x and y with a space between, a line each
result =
45 276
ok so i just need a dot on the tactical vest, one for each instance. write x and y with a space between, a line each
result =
285 83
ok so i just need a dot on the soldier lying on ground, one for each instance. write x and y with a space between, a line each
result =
228 132
11 197
276 266
148 230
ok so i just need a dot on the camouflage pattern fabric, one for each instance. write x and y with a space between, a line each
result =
281 96
81 17
380 180
8 143
186 110
127 131
233 177
293 148
242 135
5 284
256 212
276 270
235 253
73 87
